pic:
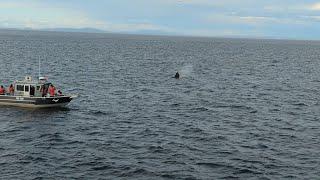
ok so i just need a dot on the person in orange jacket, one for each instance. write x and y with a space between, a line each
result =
52 90
2 90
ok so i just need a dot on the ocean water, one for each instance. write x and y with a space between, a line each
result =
243 109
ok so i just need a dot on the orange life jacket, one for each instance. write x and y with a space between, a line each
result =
2 91
52 91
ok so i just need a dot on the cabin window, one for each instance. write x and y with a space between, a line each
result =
20 88
26 88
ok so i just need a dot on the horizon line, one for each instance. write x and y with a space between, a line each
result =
89 30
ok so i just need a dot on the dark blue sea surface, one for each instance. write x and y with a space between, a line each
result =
243 109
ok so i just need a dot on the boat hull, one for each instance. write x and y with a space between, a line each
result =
35 102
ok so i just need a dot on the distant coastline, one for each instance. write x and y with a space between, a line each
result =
145 33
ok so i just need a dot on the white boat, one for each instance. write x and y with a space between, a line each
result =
29 93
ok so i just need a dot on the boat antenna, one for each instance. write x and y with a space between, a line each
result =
39 66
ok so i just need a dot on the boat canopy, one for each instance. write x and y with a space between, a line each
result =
30 88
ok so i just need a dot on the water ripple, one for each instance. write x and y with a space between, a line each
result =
243 109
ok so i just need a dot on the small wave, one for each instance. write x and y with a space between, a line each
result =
12 130
226 152
240 107
140 171
253 111
156 149
292 113
55 136
193 130
10 155
175 104
147 133
75 142
200 109
300 104
38 159
234 106
98 112
290 177
169 176
250 161
274 110
231 177
100 168
288 128
137 172
247 171
262 146
94 133
214 165
256 146
173 162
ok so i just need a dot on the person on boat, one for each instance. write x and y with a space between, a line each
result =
42 90
11 90
177 76
2 90
52 90
32 90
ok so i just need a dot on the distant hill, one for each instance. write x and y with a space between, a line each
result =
152 32
85 30
94 30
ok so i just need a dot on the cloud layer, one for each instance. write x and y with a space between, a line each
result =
296 19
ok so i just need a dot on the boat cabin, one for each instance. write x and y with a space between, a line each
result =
30 88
